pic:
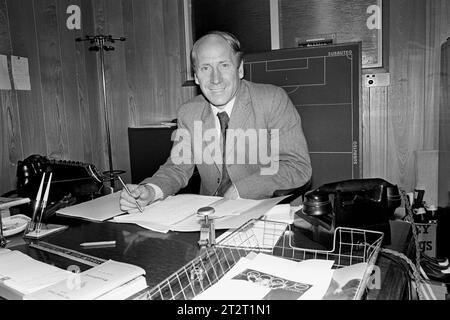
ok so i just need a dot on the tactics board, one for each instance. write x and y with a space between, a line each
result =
324 85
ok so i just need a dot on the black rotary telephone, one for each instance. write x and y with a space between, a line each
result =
358 203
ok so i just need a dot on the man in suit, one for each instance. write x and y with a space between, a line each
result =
228 132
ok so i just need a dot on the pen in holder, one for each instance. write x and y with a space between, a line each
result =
37 204
35 228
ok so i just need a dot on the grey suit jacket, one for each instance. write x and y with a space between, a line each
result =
260 110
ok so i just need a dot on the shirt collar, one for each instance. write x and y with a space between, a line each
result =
228 108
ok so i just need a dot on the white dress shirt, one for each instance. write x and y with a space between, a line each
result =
228 108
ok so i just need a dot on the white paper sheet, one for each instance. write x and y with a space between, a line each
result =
283 213
20 73
232 207
99 209
161 215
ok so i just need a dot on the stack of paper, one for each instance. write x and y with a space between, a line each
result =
179 213
266 277
161 215
109 280
176 213
21 275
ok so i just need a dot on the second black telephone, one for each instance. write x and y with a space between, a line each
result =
358 203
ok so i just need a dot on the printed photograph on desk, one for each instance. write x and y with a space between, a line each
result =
259 276
279 288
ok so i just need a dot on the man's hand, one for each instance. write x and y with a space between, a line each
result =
232 193
144 194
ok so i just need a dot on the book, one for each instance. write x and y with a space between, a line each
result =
21 275
8 202
91 284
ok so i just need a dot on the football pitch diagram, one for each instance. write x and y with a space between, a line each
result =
324 85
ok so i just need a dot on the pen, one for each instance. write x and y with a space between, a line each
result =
44 201
98 244
129 192
37 202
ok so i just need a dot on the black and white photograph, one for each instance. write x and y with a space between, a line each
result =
241 158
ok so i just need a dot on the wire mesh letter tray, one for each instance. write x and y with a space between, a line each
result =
350 246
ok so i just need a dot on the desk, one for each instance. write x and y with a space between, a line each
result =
163 254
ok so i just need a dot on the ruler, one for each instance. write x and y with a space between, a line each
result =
67 253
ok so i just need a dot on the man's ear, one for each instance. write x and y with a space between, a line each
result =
241 70
196 79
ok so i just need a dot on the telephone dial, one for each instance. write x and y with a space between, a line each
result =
357 203
72 181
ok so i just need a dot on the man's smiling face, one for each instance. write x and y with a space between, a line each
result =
217 71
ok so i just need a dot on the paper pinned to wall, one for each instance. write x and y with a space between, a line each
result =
20 72
5 82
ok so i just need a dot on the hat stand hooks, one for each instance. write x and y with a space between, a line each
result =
100 44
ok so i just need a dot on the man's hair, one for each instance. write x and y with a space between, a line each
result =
233 42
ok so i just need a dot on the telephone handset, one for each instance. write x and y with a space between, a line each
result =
72 181
358 203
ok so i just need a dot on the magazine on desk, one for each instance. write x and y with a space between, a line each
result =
265 277
260 276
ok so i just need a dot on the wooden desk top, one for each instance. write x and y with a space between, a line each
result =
163 254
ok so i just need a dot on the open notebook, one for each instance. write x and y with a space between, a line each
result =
24 278
108 278
176 213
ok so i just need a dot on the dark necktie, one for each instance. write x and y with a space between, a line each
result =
225 183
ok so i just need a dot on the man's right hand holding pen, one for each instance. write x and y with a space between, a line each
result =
142 194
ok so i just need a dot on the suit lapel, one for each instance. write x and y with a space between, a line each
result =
241 111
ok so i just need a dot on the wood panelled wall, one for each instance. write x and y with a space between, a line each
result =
403 118
62 116
58 116
143 74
